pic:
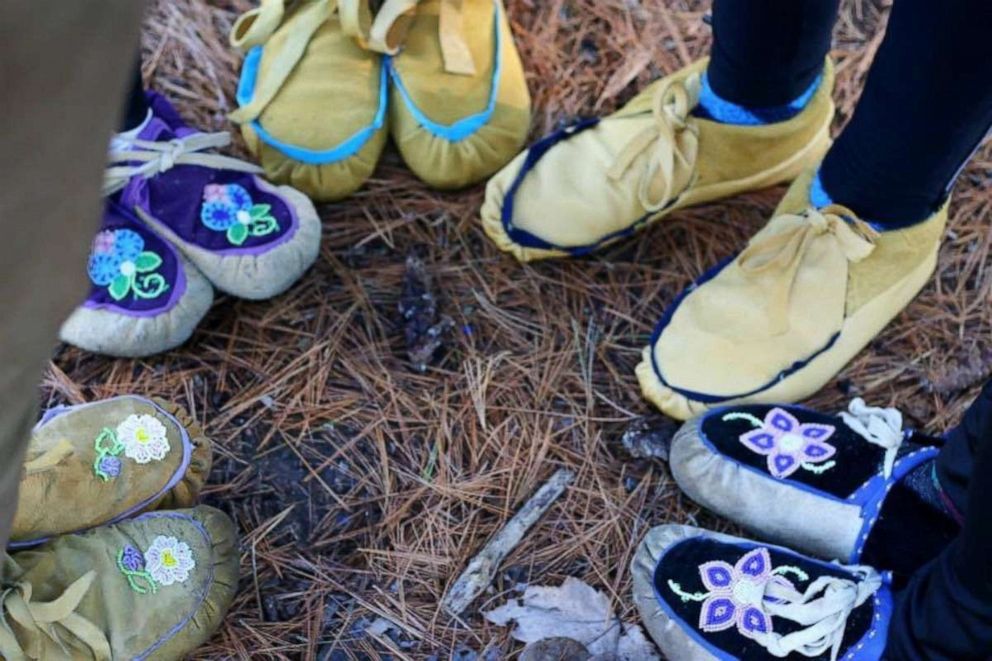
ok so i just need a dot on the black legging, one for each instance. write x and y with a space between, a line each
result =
946 610
136 104
925 107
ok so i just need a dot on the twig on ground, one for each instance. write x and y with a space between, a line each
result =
479 572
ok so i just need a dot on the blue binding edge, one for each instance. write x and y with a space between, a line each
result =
346 149
715 399
467 126
869 646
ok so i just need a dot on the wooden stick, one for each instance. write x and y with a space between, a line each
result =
479 572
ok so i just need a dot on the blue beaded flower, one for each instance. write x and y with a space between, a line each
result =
119 262
229 208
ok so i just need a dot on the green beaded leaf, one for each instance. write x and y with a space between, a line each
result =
146 262
120 287
259 211
237 233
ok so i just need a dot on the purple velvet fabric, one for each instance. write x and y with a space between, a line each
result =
132 270
177 197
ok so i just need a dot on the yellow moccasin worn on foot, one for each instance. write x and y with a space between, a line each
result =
778 321
601 180
156 587
313 95
459 105
97 463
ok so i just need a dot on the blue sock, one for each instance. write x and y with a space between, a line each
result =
819 198
712 107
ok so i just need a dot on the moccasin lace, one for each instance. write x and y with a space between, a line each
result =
383 33
881 427
44 627
131 157
823 609
674 143
780 248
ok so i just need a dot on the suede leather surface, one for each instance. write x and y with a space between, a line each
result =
332 93
568 200
446 98
166 625
777 331
69 496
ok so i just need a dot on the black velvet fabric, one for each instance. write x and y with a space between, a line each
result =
681 565
908 534
857 460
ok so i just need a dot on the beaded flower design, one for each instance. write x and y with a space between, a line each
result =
788 444
119 262
167 561
140 437
229 208
736 594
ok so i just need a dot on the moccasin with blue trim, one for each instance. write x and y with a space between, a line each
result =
460 109
156 587
705 596
832 486
145 296
598 181
313 93
102 462
249 238
779 320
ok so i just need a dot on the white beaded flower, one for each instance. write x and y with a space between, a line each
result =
169 561
144 438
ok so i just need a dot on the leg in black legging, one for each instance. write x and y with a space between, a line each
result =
946 612
136 105
768 52
926 105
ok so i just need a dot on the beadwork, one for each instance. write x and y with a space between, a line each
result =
118 261
167 561
229 208
788 444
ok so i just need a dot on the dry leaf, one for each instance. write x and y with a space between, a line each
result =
577 611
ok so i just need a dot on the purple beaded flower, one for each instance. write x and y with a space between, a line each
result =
789 444
229 208
132 559
109 467
118 261
737 594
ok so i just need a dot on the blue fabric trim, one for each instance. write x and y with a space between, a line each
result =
818 195
346 149
467 126
871 496
705 397
712 106
872 644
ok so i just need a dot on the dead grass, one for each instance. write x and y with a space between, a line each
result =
362 487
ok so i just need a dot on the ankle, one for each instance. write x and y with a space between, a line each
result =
714 107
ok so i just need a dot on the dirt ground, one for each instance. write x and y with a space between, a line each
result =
361 484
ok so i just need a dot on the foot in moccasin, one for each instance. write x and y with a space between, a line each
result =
704 596
154 587
858 487
99 463
778 321
591 184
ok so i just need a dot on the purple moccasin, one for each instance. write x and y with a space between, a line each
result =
145 296
250 238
